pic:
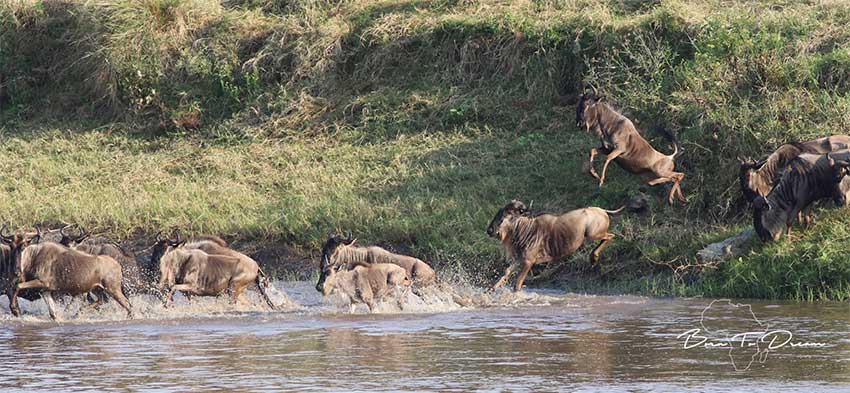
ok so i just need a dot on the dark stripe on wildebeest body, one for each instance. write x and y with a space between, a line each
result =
532 240
56 269
621 142
10 255
189 268
756 178
807 178
340 251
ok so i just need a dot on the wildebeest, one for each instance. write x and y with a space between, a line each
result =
807 178
56 269
531 240
196 272
365 284
10 254
621 142
139 273
757 178
340 251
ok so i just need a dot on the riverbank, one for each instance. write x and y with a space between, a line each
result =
410 123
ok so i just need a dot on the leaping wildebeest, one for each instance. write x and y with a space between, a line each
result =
365 283
196 272
341 251
621 142
807 178
757 178
531 240
56 269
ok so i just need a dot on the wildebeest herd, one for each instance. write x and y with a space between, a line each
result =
781 187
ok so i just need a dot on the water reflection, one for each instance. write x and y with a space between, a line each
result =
566 342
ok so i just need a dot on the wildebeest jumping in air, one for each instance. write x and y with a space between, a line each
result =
532 240
621 142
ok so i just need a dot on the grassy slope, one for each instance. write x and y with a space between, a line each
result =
411 122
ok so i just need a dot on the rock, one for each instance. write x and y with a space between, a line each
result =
729 248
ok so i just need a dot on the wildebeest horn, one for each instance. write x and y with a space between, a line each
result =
82 234
37 235
592 88
350 240
7 239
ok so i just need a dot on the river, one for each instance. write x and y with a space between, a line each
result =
534 341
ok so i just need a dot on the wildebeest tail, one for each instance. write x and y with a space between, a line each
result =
677 147
615 212
262 286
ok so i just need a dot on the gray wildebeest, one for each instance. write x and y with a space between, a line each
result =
807 178
10 255
757 178
341 251
366 283
56 269
621 142
196 272
531 240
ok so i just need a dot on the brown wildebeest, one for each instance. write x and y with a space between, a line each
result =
807 178
757 178
195 272
366 284
340 251
139 273
56 269
621 142
10 255
532 240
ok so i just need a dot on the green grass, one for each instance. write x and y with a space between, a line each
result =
411 122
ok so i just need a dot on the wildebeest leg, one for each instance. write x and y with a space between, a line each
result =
594 256
32 284
589 169
662 180
505 276
51 305
13 301
610 157
117 293
526 267
169 297
261 287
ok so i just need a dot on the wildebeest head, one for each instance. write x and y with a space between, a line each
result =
750 185
328 264
767 220
69 240
17 242
162 245
505 217
771 214
586 108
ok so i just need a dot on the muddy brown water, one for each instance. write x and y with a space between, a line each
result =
534 341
